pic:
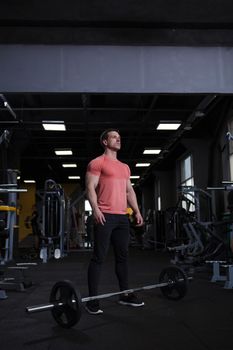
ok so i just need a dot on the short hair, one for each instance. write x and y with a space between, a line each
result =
104 135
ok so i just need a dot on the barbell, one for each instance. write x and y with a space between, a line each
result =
65 302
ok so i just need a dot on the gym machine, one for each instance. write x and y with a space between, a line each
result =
227 220
181 223
75 220
218 265
8 216
201 241
8 220
53 238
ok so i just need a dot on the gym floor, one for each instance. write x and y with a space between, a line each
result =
202 320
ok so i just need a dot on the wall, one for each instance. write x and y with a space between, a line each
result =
133 69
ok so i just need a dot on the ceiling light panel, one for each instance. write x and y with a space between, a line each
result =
168 126
63 152
71 165
142 164
151 151
54 125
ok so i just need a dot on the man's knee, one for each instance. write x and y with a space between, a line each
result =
121 257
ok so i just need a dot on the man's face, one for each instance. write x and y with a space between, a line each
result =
113 141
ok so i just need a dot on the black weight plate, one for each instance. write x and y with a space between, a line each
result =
177 283
69 313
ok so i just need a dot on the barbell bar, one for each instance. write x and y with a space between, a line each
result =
66 302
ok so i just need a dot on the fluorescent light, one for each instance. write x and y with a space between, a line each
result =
142 164
151 151
74 177
63 152
29 181
71 165
168 126
134 177
54 125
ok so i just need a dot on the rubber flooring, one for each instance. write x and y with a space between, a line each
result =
202 320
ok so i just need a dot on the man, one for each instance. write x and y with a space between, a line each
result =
109 191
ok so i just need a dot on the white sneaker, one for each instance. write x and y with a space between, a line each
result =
93 309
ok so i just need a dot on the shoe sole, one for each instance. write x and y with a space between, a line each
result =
130 304
99 312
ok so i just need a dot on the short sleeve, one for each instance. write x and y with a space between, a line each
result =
94 167
128 170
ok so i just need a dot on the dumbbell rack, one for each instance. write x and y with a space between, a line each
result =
18 281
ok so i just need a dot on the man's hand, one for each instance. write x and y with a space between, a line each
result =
99 216
138 219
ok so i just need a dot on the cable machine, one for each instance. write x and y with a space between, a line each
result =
52 221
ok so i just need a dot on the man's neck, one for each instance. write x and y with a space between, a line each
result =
110 153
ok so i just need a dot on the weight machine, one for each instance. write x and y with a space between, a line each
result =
52 237
218 265
195 226
8 221
148 236
8 216
76 220
227 186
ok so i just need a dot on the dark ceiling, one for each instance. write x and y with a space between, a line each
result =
164 22
87 115
145 22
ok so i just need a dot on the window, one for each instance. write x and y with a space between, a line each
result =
187 180
158 196
230 129
88 206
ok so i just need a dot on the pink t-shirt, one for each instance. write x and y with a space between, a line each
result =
111 189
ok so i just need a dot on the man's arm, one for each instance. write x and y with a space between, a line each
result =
132 201
91 184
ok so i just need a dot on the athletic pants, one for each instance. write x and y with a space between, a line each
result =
116 231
